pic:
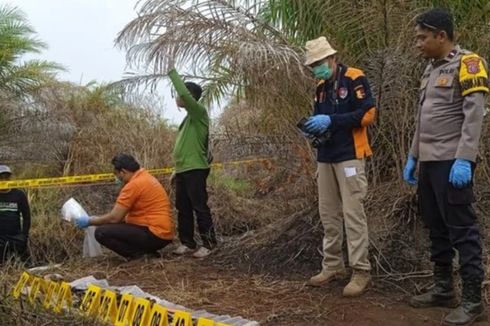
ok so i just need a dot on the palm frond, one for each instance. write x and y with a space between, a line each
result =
133 81
214 36
23 78
16 35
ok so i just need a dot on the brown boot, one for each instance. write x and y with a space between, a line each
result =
358 283
326 276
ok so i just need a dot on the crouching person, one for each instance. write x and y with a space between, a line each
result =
15 220
140 222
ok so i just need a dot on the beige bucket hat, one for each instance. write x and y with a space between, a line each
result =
317 50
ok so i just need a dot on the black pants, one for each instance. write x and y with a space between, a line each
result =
13 245
451 219
129 240
191 196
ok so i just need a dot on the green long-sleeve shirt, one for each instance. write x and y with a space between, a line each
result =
191 146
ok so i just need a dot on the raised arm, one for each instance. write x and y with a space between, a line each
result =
191 105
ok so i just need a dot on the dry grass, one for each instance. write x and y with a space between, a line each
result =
399 242
70 130
223 290
21 312
260 274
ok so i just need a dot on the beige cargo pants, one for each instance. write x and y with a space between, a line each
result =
342 188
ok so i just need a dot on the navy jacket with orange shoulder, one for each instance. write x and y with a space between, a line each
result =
350 104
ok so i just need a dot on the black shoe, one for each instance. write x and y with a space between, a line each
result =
471 308
144 256
442 294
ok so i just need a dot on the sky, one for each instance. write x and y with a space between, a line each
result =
80 36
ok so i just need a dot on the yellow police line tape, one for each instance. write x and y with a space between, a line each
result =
92 178
103 304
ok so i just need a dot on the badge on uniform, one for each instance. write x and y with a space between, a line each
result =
442 81
343 92
472 65
360 93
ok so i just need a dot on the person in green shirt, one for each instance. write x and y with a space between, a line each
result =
191 170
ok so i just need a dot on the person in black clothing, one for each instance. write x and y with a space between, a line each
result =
13 233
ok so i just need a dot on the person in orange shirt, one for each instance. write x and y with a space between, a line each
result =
140 222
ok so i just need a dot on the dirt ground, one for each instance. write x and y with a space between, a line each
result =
266 299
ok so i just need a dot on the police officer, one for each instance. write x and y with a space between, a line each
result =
451 106
344 106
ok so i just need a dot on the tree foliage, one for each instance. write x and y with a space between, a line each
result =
61 128
253 49
18 38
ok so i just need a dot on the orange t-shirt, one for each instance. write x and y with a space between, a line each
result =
148 204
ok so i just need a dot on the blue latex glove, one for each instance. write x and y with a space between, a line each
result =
460 175
82 222
318 124
409 171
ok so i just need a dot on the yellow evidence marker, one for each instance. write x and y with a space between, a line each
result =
125 310
38 285
51 294
21 284
158 316
91 300
141 309
182 318
65 298
205 322
107 311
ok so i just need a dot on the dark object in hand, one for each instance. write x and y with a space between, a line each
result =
316 140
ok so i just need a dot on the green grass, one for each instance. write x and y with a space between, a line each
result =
218 179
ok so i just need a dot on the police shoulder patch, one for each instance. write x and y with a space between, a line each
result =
473 75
